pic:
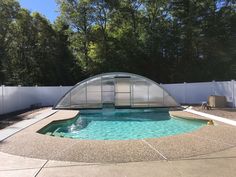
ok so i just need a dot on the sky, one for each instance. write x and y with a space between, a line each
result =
47 8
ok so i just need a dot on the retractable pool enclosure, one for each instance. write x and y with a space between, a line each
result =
118 90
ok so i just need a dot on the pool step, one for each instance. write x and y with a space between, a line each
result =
108 105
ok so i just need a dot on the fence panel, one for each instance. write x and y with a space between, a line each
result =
234 93
29 96
11 99
196 93
177 91
17 98
48 96
226 89
63 91
1 100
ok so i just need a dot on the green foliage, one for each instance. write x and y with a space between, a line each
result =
8 12
167 41
33 51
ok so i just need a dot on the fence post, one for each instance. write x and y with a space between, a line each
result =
19 97
213 87
233 94
185 89
38 96
2 100
60 93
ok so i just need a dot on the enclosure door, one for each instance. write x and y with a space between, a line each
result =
108 91
122 92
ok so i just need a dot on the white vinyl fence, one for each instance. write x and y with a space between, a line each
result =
196 93
18 98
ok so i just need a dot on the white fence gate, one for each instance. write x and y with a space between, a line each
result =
18 98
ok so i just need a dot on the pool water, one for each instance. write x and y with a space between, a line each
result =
122 124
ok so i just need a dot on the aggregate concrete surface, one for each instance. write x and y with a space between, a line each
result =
29 143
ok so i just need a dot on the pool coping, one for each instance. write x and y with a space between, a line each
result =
29 143
212 117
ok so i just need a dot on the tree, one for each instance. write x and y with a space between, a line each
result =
20 50
79 16
67 69
167 41
8 12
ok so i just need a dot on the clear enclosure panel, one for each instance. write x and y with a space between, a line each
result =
122 99
168 100
108 97
94 96
94 85
108 89
155 96
122 84
65 102
122 91
94 99
108 85
78 96
140 94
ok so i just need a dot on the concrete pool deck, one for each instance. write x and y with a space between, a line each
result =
206 140
12 129
216 164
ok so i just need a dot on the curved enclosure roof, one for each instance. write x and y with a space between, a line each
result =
118 90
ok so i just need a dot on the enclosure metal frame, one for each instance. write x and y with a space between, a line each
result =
116 75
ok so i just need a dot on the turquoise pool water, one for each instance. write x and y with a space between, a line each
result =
122 124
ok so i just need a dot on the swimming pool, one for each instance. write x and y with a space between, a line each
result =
121 124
